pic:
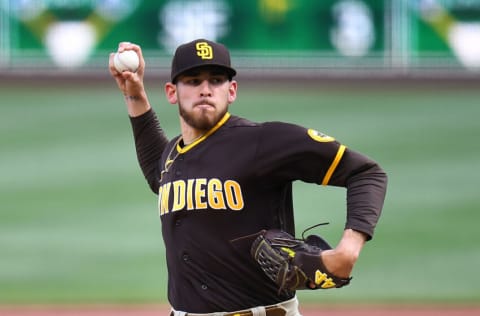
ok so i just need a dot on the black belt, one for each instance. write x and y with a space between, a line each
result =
269 311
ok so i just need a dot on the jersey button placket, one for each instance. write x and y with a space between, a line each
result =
178 167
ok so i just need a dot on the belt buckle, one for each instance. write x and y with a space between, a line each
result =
241 313
275 311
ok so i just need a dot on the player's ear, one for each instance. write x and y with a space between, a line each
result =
232 91
171 92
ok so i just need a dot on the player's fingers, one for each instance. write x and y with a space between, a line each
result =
137 49
111 66
130 76
135 82
122 46
141 66
118 76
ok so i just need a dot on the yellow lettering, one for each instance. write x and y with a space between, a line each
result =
160 211
215 194
164 197
233 193
200 194
328 284
190 183
178 195
321 277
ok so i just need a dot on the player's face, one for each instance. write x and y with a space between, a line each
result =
203 96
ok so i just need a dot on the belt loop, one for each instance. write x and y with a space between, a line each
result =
259 311
178 313
290 307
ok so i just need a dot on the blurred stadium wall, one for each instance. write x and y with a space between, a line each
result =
308 38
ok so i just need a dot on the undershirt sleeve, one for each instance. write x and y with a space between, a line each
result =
150 142
366 184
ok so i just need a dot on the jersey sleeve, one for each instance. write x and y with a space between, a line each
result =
295 153
150 143
289 152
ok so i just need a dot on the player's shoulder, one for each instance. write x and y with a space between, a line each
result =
237 121
283 127
265 127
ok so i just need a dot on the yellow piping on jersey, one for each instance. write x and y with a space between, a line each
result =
334 165
201 139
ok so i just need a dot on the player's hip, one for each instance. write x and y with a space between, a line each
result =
286 308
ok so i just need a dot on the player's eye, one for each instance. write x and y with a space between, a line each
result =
218 80
192 81
195 81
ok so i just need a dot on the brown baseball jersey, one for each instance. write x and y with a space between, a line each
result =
234 181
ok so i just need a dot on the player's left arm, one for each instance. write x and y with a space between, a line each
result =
366 184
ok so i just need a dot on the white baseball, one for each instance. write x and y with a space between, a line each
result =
126 61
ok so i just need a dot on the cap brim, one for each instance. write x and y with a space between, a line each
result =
229 70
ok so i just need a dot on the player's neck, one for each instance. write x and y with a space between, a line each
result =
189 134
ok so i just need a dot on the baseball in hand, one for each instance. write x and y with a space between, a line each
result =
126 61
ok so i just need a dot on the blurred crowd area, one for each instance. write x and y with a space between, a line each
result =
282 37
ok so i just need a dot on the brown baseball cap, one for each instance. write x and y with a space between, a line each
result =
198 53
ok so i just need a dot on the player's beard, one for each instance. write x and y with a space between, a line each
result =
204 121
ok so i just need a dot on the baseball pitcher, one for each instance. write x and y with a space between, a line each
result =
224 189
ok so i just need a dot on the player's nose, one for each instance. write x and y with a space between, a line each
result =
205 89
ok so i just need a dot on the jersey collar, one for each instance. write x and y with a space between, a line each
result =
220 123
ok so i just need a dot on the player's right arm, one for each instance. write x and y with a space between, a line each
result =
150 140
131 83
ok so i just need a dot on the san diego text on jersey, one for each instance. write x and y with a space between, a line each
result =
200 194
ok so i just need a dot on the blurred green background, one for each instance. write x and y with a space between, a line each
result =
78 223
357 35
396 80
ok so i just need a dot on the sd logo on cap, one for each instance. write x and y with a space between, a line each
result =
204 50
